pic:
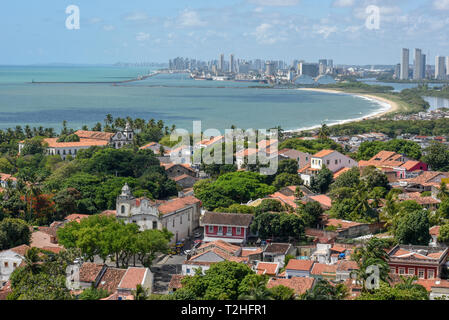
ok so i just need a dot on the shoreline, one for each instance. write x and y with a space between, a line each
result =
387 106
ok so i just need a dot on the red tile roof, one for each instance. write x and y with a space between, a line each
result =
177 204
299 265
268 268
323 200
111 279
132 278
21 250
76 217
324 269
299 284
90 271
323 153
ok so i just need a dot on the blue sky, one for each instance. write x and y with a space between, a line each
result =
146 30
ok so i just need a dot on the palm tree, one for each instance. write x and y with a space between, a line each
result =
324 132
323 290
109 120
257 290
373 253
140 293
31 259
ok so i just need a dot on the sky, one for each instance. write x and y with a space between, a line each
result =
35 32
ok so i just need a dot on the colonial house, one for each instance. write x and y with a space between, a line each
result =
180 216
229 227
174 170
88 139
424 182
421 261
156 148
437 288
332 159
212 253
345 269
267 268
7 178
276 252
395 166
428 202
208 143
302 158
298 268
134 277
10 260
324 271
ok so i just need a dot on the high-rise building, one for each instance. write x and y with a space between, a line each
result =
405 64
270 68
447 67
423 66
322 65
221 64
440 68
397 71
418 65
231 63
308 69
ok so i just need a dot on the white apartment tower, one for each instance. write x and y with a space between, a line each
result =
418 66
405 63
440 68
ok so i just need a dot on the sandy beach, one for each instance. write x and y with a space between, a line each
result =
388 106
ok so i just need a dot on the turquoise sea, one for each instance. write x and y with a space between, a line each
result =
174 98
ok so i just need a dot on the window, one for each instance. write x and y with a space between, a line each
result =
328 162
173 222
187 270
401 270
154 224
393 270
188 217
421 273
6 264
411 271
239 231
123 209
229 231
211 229
14 265
430 274
180 220
220 230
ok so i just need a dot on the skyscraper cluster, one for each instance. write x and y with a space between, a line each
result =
420 68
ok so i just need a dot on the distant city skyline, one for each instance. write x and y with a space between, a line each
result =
288 30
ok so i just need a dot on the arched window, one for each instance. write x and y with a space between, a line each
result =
123 209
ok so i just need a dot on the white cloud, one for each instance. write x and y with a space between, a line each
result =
190 18
142 36
325 31
108 27
441 4
136 16
275 3
343 3
266 35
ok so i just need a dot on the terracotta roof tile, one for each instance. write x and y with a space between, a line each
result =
227 219
299 285
90 271
268 268
111 279
323 153
323 269
299 265
177 204
175 282
132 278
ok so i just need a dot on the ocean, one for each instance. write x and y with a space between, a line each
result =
173 98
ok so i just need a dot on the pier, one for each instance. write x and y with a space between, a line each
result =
140 78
